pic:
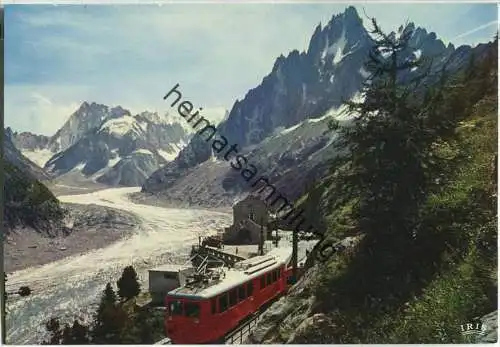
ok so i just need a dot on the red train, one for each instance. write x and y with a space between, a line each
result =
210 306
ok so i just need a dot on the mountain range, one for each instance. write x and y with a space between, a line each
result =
280 124
106 144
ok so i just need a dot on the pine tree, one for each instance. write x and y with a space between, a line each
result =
145 332
384 159
56 334
109 295
4 302
128 284
108 320
390 166
79 334
137 329
66 335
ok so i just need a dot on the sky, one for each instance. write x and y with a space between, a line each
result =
57 57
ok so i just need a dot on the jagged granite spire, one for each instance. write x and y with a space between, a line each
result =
300 86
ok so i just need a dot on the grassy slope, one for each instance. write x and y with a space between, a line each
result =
462 216
468 288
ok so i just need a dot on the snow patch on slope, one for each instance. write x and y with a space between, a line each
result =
122 126
142 151
364 73
172 154
288 130
155 117
168 156
79 167
418 54
112 162
38 156
335 50
339 48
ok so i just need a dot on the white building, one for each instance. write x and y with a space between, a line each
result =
165 278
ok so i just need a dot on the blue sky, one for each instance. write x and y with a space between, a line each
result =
56 57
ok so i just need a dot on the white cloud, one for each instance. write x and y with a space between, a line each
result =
214 114
44 110
34 109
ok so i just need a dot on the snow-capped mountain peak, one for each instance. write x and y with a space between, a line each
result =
121 149
125 125
155 117
280 123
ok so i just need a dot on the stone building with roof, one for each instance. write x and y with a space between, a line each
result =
250 219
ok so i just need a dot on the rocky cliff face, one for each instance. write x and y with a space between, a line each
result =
300 86
13 156
86 118
105 144
40 148
281 123
304 85
26 201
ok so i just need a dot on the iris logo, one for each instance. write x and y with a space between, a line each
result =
473 328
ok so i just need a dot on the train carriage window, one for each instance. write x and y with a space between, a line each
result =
269 277
175 308
275 276
262 281
241 293
223 304
233 295
192 309
250 288
214 305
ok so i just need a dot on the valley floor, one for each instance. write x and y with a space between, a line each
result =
153 200
70 287
91 227
58 187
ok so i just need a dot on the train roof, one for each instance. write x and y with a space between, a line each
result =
242 272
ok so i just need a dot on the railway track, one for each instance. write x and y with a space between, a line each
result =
239 334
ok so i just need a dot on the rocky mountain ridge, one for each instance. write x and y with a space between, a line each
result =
122 150
106 144
281 123
12 155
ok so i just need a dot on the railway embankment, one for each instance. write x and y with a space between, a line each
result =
285 320
288 314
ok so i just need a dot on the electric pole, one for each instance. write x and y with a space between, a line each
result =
3 313
261 241
295 242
